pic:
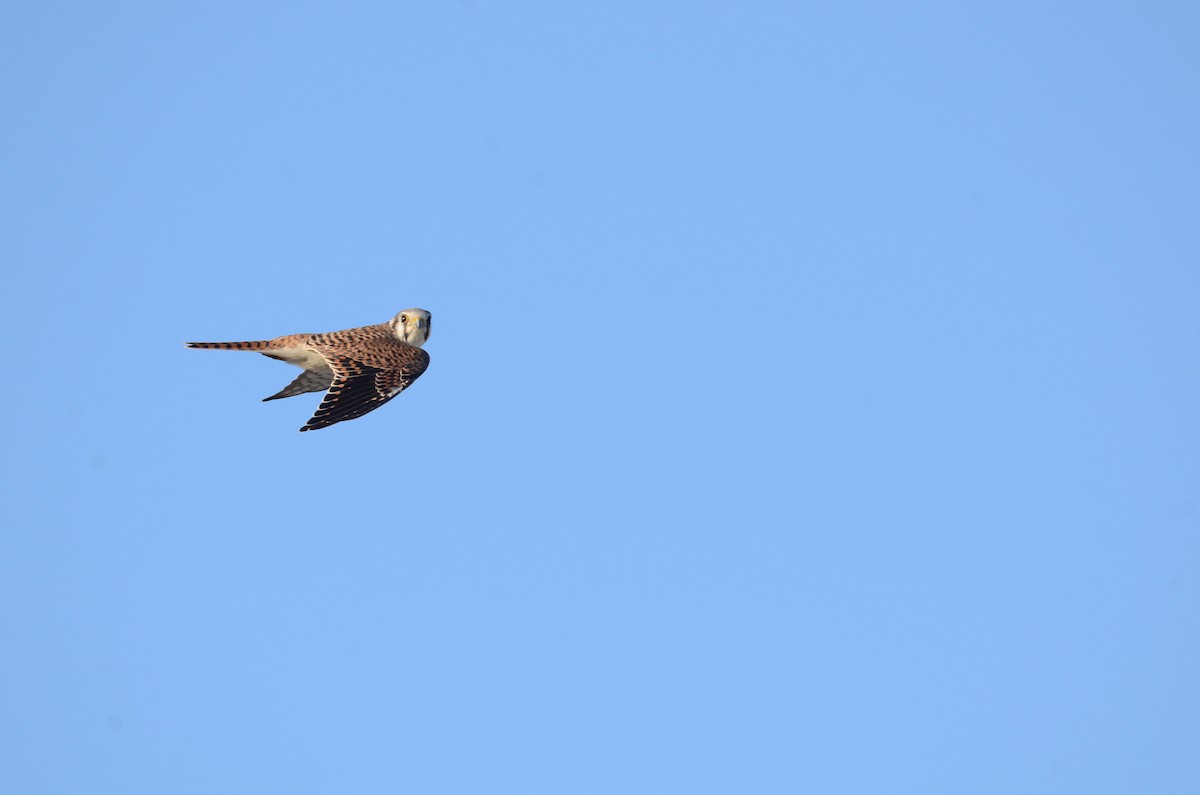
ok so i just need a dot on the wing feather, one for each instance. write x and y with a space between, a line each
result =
365 378
307 381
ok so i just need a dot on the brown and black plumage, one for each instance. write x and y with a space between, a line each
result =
361 368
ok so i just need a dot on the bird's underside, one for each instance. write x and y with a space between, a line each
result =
359 369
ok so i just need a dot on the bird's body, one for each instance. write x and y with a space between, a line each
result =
362 368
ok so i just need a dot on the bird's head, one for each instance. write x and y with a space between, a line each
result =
412 326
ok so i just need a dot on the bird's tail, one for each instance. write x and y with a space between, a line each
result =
252 345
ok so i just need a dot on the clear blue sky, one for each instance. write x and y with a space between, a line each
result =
812 408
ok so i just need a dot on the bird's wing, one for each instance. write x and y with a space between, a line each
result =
307 381
365 378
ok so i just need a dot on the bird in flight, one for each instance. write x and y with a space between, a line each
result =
361 368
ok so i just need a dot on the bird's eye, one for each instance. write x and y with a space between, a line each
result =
404 318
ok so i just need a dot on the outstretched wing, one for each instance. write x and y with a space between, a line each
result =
308 381
365 378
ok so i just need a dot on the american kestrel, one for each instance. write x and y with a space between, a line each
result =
362 368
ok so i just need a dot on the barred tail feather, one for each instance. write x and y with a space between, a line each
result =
252 345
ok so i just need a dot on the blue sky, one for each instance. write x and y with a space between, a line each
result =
812 404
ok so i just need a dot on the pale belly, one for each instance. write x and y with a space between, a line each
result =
301 357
